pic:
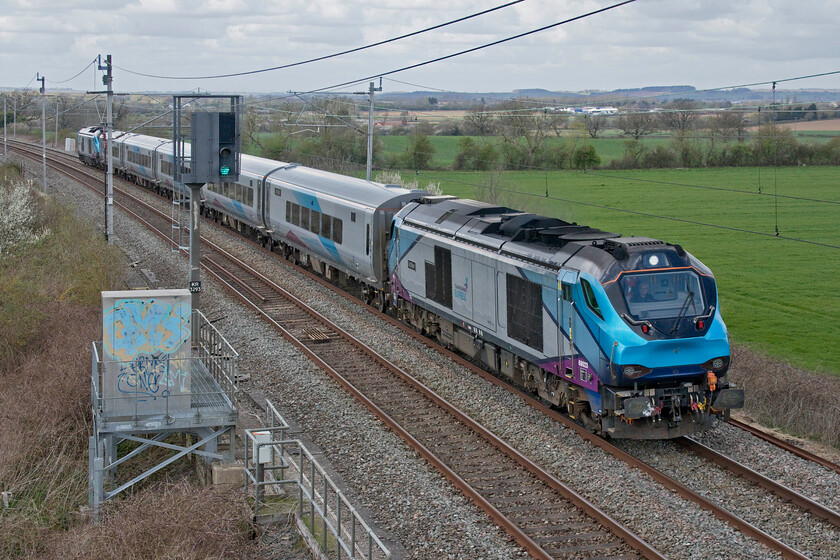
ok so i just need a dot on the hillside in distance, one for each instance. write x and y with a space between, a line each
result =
651 93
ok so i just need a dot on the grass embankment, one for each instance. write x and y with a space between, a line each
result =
50 312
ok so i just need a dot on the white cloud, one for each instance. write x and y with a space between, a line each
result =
706 44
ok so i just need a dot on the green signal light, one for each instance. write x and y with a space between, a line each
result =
224 170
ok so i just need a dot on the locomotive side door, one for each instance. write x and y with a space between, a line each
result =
565 320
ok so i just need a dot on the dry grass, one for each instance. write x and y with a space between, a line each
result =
45 414
49 315
167 521
795 401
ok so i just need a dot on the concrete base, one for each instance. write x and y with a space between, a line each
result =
227 474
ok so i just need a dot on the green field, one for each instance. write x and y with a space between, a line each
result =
777 295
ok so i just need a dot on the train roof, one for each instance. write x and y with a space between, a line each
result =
141 140
340 186
519 234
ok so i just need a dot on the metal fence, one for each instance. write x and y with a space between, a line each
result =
272 461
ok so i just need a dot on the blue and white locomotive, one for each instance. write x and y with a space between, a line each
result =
624 333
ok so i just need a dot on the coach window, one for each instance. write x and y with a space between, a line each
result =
315 222
352 216
277 192
304 217
336 236
326 226
288 212
367 240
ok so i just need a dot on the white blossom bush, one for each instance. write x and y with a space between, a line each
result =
394 178
18 216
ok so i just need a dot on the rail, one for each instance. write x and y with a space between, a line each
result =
269 453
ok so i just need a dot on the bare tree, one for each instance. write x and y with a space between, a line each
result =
679 115
728 125
557 121
594 124
523 131
636 125
478 122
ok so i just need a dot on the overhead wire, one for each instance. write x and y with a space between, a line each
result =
74 77
478 48
452 55
325 57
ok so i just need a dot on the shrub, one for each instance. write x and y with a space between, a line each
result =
781 396
660 157
419 154
586 157
174 520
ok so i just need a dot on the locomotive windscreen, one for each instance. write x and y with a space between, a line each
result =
662 295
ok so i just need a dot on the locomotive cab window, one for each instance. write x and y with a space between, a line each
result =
663 295
567 292
589 296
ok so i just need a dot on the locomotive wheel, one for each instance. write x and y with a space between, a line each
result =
381 301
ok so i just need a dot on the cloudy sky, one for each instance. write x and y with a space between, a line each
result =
704 43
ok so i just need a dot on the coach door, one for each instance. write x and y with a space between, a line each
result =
565 320
371 259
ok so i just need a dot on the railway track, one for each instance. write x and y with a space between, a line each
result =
546 517
505 487
787 446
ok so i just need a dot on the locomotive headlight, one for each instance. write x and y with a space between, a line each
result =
634 371
717 364
653 260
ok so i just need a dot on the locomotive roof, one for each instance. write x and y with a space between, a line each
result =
474 218
519 234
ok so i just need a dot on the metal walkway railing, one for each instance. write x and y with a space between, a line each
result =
272 461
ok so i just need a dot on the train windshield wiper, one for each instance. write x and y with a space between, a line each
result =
689 298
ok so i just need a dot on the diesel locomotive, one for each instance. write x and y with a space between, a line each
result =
625 333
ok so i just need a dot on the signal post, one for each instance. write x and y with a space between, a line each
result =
214 157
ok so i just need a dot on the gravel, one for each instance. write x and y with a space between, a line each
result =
411 505
788 523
